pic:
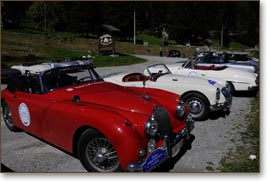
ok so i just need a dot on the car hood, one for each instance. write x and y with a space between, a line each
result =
187 80
112 96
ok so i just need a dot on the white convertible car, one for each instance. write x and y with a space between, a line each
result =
228 59
239 80
200 95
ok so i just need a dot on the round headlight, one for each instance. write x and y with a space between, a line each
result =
180 109
151 127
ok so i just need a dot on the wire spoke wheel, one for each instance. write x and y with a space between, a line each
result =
7 115
101 155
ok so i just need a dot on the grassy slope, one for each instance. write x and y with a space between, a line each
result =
239 161
23 47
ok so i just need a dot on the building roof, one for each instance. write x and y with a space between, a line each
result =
110 28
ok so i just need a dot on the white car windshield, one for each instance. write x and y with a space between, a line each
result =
190 63
157 69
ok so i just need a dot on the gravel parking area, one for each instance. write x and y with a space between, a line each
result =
213 138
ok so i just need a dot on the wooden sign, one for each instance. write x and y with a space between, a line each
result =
106 44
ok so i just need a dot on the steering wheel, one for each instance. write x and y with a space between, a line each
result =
84 78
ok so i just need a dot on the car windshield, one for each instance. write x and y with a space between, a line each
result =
210 58
157 69
190 63
66 76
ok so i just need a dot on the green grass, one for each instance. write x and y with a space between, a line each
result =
233 46
237 46
239 161
150 39
19 47
29 44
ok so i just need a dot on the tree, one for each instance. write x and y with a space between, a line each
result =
85 17
13 12
46 14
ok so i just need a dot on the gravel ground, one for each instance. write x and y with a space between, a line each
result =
213 138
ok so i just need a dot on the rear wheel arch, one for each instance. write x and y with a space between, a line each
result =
192 92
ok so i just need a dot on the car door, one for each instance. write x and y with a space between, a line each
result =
191 72
28 109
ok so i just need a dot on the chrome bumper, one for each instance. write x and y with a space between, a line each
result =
253 88
183 134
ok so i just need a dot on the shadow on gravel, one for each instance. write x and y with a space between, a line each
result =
218 114
169 165
249 94
5 168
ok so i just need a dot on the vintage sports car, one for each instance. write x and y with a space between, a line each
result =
226 59
107 126
200 95
239 80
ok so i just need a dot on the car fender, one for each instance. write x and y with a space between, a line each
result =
112 124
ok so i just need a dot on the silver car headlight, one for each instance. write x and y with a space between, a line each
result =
151 127
217 94
180 109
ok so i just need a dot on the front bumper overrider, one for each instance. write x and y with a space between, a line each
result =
161 154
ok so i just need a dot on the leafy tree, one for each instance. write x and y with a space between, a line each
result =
12 13
185 21
85 17
47 15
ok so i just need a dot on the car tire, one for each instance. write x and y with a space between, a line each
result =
97 153
8 118
198 105
231 87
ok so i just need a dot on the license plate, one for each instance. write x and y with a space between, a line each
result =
155 159
177 147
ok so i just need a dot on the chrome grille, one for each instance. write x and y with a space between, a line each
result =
163 119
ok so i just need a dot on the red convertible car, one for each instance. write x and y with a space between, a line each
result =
108 127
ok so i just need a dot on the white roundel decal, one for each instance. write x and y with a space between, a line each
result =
24 114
